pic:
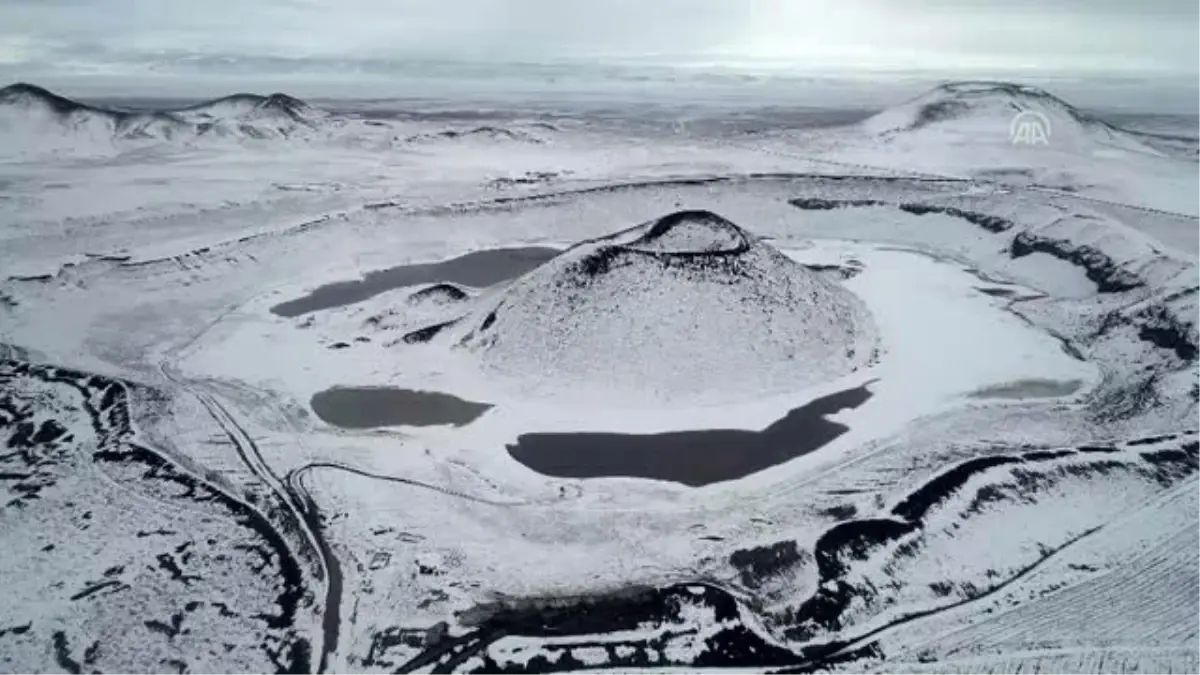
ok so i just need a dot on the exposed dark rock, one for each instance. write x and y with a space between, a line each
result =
1108 276
993 224
428 333
819 204
1160 328
443 293
756 564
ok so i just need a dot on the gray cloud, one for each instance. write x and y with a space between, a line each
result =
139 38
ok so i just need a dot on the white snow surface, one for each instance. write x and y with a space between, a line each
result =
1039 341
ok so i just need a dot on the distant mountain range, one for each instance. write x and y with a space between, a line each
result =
33 116
34 119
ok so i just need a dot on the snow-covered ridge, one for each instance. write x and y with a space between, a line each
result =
36 114
35 118
485 132
1160 285
689 306
245 105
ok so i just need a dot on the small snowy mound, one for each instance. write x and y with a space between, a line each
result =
483 133
687 308
438 295
1000 112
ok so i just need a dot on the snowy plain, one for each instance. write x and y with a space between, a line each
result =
1015 490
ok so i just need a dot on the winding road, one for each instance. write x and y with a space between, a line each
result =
298 506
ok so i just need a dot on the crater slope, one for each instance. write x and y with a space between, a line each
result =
686 307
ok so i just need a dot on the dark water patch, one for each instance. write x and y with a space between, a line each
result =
368 407
478 268
694 458
1029 388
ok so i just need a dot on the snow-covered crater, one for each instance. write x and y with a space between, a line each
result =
689 307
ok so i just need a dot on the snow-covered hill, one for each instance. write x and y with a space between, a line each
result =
687 307
254 115
32 118
993 112
1018 135
35 120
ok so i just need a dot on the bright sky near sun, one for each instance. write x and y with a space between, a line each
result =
49 39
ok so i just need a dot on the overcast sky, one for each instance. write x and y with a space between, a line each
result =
129 38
